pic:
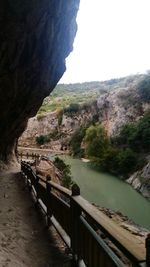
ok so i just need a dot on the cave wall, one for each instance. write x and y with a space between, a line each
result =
35 38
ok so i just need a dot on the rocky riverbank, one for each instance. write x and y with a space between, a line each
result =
140 181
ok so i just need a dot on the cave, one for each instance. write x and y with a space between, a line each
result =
36 37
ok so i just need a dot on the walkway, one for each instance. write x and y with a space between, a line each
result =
24 240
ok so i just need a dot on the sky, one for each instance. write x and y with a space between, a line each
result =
113 40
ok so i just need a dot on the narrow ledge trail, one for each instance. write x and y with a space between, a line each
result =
24 239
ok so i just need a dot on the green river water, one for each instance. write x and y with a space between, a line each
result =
109 191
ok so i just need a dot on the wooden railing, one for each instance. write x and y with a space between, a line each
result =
83 227
27 155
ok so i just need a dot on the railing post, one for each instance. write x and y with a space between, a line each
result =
147 245
36 188
75 230
48 190
28 176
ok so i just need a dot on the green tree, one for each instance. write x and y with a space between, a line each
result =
127 134
73 108
125 162
144 88
66 172
42 139
59 114
136 135
96 141
76 140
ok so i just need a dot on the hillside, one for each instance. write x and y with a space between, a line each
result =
81 93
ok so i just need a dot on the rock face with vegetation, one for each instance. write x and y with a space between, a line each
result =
113 129
36 37
113 103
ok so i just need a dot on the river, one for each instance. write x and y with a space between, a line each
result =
109 191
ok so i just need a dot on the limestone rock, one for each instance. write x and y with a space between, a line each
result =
141 181
120 107
46 168
114 110
36 37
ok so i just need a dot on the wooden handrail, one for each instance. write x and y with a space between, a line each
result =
55 186
66 192
72 215
117 234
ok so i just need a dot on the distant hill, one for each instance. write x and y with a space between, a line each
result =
80 93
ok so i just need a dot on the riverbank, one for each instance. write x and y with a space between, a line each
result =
126 223
106 190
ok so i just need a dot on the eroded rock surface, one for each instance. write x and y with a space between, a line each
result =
113 110
140 180
36 37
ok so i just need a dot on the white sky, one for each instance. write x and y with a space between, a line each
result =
113 40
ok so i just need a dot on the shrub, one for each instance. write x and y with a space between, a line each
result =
125 162
144 88
109 159
59 114
42 139
73 108
40 116
66 172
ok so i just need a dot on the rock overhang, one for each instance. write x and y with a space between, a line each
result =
36 37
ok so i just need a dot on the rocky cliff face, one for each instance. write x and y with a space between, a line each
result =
120 107
36 37
113 110
47 124
140 180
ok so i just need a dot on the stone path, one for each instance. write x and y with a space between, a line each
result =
24 240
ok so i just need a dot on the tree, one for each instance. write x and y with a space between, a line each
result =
76 140
127 134
144 88
96 141
42 139
126 161
59 114
73 108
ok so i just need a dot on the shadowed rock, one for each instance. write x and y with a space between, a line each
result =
36 37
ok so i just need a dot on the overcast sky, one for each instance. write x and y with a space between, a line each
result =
113 40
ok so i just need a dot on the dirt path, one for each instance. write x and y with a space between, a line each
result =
24 240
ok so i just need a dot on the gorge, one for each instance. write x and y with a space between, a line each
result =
117 105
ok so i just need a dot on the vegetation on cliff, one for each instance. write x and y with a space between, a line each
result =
122 154
65 170
136 135
72 97
144 88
